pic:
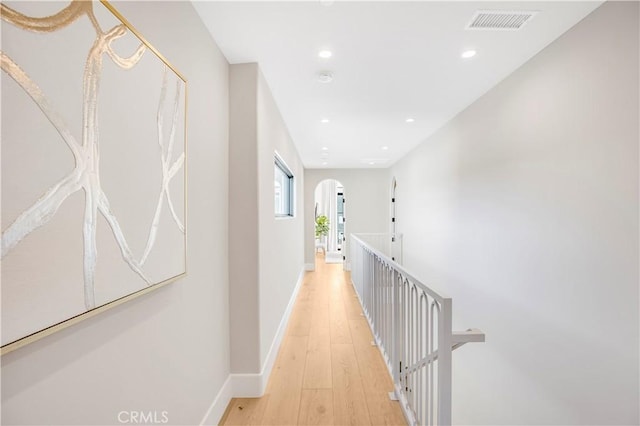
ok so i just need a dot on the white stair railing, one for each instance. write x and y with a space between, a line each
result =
411 324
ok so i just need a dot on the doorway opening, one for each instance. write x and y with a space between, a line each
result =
330 204
395 236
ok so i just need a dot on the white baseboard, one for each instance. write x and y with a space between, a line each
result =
282 328
219 405
252 385
247 385
309 267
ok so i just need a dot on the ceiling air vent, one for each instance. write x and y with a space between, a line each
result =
506 20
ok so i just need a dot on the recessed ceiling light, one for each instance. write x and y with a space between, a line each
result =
325 77
324 120
374 161
410 120
324 148
325 54
384 148
324 163
468 54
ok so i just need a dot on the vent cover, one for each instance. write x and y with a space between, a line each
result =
504 20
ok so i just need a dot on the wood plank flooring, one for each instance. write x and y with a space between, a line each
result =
327 372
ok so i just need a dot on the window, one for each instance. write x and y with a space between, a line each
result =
283 188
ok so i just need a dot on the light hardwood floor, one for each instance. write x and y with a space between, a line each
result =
327 372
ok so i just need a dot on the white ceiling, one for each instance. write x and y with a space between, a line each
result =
391 61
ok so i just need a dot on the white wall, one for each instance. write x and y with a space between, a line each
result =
169 350
243 219
524 209
366 208
281 240
265 253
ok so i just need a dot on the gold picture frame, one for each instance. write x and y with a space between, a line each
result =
130 170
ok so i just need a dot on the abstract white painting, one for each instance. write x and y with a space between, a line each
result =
93 165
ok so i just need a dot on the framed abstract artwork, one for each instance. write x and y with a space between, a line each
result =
93 157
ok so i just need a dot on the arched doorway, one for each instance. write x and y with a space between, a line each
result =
329 201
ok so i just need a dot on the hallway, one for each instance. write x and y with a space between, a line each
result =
327 372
